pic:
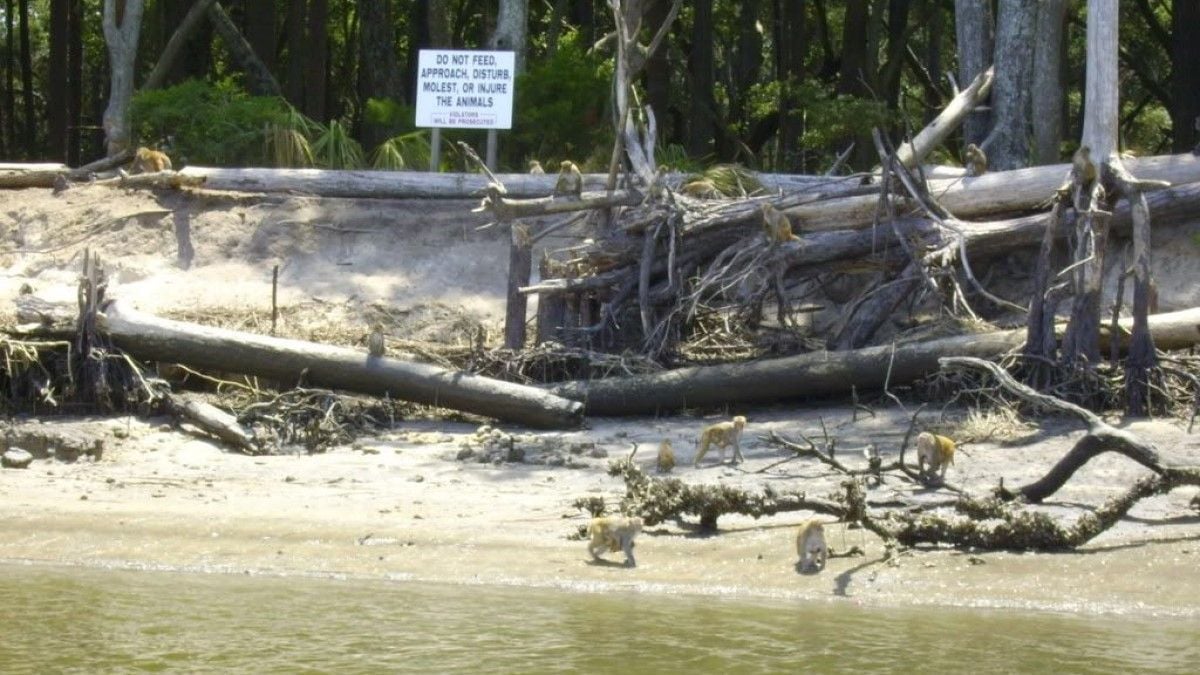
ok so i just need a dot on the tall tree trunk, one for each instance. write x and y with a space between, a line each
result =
27 83
196 52
1008 143
1081 344
512 27
1185 75
10 79
583 14
122 23
183 28
658 77
791 46
935 21
260 27
56 83
316 60
259 80
856 74
747 59
702 128
897 29
379 72
297 22
1048 81
75 83
973 29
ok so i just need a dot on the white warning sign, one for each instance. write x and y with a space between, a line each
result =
459 88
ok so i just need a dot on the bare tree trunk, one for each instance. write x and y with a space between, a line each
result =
122 23
296 24
1048 81
27 81
512 27
10 78
56 85
259 20
259 80
1081 346
75 83
974 35
702 129
379 75
1008 142
316 59
174 46
1185 76
791 46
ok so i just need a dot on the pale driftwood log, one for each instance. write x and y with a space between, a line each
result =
991 193
819 373
213 420
947 121
1169 207
152 338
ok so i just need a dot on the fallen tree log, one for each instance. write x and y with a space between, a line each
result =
991 193
819 373
155 339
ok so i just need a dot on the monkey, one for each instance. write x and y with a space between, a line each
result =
570 180
811 547
535 166
376 345
1083 166
936 451
614 533
150 161
975 160
666 457
722 435
776 226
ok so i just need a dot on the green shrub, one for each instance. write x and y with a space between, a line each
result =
561 105
216 124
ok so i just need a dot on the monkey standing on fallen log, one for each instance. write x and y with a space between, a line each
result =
150 161
975 160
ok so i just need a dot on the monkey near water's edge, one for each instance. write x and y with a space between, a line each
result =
614 533
810 546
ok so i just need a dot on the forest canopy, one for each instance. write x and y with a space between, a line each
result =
776 86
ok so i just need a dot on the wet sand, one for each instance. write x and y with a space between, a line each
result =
400 507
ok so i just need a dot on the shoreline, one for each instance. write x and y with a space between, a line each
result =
395 509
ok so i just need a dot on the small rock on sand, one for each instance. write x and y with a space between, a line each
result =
16 458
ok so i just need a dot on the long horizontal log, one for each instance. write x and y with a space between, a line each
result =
991 193
818 373
152 338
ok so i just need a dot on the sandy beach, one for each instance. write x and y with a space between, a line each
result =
402 505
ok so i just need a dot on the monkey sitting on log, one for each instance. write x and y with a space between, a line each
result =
776 226
975 160
150 161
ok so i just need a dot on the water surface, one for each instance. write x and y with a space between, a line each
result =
87 620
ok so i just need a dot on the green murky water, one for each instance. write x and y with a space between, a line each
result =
89 621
